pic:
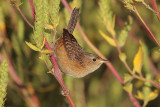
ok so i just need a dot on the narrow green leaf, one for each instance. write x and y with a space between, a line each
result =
32 46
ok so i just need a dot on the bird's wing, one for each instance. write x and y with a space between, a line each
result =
73 49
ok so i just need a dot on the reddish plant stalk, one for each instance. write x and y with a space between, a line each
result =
31 99
66 5
148 29
33 10
153 2
1 58
24 16
57 72
113 70
135 102
58 76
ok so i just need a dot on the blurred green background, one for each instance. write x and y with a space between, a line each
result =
98 89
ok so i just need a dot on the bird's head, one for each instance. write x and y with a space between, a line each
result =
93 62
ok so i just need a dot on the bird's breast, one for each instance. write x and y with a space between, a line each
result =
66 65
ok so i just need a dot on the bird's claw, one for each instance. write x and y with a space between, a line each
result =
65 92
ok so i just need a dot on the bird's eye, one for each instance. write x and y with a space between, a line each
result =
94 59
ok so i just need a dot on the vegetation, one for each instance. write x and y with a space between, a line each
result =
124 31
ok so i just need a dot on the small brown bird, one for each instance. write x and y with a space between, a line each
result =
71 58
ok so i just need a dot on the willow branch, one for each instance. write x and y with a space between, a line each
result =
154 4
33 10
58 76
31 100
148 29
57 73
24 16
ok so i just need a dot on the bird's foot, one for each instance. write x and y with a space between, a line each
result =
65 92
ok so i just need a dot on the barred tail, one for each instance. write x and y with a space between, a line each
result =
73 20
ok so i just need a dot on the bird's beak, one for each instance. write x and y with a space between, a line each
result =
105 60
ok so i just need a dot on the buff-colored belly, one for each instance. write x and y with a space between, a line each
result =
66 65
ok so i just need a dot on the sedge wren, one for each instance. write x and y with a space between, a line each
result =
71 58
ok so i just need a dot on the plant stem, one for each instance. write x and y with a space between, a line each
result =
147 6
135 102
52 58
153 2
24 17
152 35
31 100
156 84
33 10
129 69
66 5
58 76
